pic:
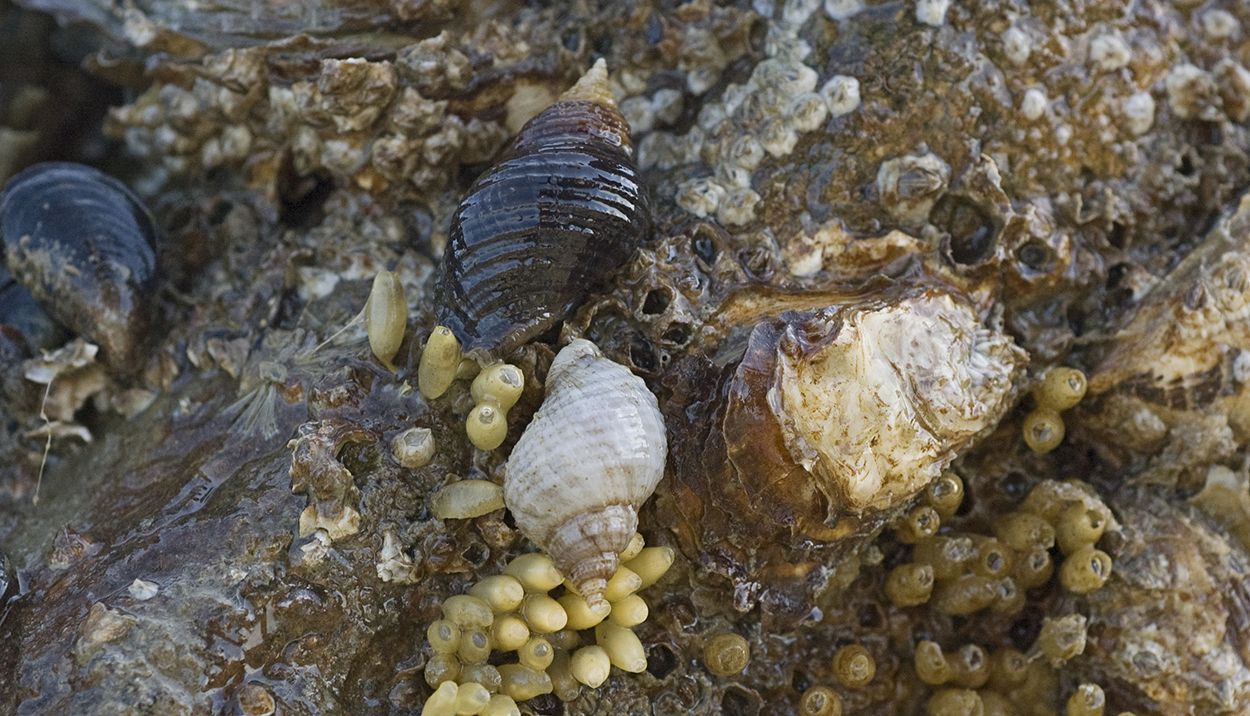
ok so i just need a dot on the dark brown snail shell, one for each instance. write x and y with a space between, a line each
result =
542 228
84 245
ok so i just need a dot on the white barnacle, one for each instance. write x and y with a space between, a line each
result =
841 93
413 448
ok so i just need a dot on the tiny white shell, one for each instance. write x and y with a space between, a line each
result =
592 455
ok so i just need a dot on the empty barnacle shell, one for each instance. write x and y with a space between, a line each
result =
84 245
821 424
559 210
592 455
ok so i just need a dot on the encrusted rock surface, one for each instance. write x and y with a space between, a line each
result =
1053 162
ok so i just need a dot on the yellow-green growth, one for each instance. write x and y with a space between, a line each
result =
651 564
535 571
623 647
475 647
487 426
629 612
501 383
509 632
853 666
440 359
1061 388
537 653
471 698
441 668
501 591
820 701
444 636
501 705
1043 430
590 665
543 614
386 317
442 701
522 683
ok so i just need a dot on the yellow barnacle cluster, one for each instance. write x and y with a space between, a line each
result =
526 632
969 680
960 573
1061 388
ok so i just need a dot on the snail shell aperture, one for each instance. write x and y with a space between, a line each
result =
84 245
561 208
592 455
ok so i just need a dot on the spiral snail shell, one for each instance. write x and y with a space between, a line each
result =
84 245
592 455
561 208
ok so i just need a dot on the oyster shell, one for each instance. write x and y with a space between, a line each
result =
1167 396
823 422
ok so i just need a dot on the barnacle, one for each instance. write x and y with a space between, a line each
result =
854 666
726 654
414 447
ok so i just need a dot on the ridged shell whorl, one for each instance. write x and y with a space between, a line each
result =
592 455
560 209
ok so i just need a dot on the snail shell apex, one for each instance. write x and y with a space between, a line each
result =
561 208
592 455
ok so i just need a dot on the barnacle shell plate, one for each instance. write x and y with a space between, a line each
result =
592 455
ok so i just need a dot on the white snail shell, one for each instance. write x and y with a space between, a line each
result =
592 455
